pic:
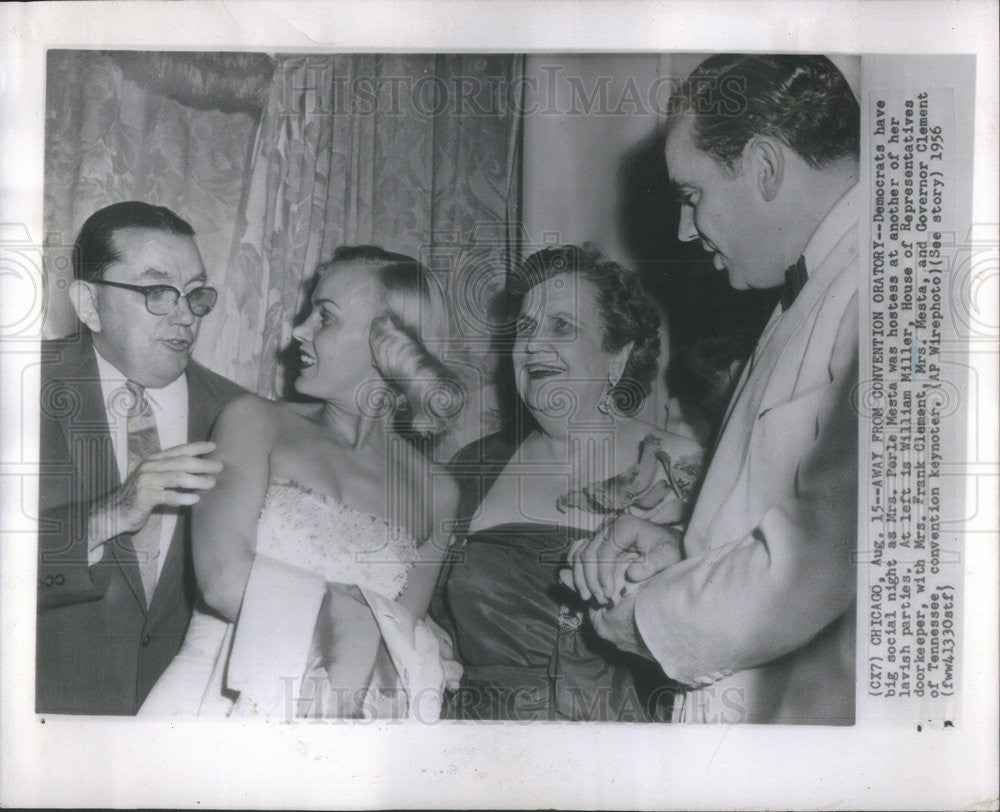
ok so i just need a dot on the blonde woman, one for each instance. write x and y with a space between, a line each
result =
320 545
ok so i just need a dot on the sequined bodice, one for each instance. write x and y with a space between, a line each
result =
305 529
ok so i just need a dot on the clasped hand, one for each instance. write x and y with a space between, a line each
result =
623 552
607 567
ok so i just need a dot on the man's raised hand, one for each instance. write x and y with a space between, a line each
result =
170 477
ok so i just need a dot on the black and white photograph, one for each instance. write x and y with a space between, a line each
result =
496 422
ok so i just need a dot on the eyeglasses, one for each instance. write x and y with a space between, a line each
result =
161 299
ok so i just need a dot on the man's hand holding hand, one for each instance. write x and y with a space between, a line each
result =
627 550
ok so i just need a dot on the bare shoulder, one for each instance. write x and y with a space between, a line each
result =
676 445
679 445
248 420
249 410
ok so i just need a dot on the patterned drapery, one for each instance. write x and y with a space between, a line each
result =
109 137
416 153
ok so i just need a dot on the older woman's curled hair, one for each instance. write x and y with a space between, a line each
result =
415 315
627 314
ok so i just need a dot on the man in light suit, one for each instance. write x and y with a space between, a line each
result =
124 417
753 610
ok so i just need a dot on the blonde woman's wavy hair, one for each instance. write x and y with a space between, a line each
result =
428 393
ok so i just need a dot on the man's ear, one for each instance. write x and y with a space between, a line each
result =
618 362
82 297
768 161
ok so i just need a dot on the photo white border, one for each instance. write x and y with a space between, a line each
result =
102 762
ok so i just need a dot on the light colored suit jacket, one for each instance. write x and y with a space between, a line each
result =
759 618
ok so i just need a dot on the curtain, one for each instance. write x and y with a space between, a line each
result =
275 161
112 134
416 153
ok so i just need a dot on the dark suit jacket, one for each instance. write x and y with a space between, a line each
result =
99 650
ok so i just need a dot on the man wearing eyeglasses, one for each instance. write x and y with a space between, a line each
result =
125 415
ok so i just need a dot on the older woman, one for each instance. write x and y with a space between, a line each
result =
584 357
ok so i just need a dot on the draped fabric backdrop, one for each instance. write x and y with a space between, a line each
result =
276 162
127 126
360 149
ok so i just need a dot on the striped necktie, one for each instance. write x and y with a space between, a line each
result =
143 440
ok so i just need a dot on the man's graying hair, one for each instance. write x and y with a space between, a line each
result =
804 101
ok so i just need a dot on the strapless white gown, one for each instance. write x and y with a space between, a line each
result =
263 666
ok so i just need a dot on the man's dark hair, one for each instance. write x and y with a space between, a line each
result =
804 101
95 247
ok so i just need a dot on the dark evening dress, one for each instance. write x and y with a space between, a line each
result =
524 640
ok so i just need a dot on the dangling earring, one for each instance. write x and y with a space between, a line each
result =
607 402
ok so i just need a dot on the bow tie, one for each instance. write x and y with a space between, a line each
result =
795 279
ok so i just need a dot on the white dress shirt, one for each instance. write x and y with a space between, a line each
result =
170 408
